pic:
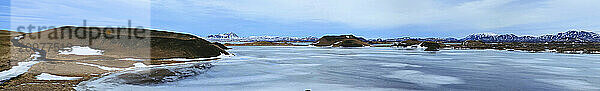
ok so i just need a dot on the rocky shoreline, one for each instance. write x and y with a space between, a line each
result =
146 76
137 75
555 47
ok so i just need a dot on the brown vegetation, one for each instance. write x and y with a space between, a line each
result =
124 43
119 44
340 41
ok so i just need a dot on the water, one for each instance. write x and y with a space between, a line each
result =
388 69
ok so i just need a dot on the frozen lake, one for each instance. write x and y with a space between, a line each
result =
279 68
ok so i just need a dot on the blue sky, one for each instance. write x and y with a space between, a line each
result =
369 18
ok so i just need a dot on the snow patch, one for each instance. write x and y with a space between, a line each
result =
101 67
140 65
46 76
34 57
79 50
16 70
19 37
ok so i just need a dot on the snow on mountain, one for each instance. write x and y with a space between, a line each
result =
569 36
226 35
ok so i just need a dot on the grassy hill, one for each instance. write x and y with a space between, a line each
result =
8 53
122 43
4 49
342 40
116 43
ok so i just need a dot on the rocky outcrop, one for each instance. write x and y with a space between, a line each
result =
431 46
160 75
221 45
340 41
414 44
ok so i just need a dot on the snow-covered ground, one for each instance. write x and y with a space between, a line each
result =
79 50
101 67
46 76
16 70
21 68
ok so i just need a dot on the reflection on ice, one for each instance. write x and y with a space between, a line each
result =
572 84
398 65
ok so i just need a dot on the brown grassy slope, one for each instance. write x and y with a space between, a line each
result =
4 50
7 51
156 44
124 44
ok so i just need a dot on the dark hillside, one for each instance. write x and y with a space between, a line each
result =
342 40
119 43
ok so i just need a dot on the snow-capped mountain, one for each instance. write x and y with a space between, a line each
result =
488 37
569 36
226 35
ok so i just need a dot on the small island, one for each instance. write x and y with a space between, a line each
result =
340 41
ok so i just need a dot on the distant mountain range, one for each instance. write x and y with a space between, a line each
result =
569 36
232 37
226 35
